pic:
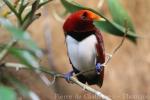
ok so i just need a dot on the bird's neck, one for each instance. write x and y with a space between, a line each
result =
79 36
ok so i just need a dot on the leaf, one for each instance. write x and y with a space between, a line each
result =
71 6
119 15
107 25
7 93
22 36
25 57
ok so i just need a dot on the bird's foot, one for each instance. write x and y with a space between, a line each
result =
68 75
99 68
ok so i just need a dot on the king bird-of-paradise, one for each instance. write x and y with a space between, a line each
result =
85 47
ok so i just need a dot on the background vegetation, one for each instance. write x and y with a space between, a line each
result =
42 44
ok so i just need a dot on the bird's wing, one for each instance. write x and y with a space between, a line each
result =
100 54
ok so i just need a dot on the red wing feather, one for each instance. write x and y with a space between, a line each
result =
100 54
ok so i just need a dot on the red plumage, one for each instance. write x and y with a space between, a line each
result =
79 28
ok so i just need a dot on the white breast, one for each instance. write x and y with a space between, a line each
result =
82 54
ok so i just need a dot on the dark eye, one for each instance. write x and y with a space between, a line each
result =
84 15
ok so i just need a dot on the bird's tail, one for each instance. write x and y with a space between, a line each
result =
92 79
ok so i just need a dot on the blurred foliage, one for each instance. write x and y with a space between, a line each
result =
7 93
24 57
119 15
21 36
29 55
22 89
115 27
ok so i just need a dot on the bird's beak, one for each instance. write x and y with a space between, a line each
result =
98 18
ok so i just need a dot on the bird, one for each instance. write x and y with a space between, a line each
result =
85 47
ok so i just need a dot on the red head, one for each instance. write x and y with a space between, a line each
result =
80 21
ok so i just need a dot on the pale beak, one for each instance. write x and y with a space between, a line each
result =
96 17
99 19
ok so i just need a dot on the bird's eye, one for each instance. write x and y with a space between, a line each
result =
84 15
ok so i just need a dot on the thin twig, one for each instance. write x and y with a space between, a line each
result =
58 75
43 3
118 46
30 17
24 24
12 8
113 52
122 41
13 41
89 89
5 50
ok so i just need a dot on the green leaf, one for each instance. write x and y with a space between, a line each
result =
7 93
71 6
119 15
108 26
22 36
25 57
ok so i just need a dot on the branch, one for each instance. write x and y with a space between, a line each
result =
5 50
119 45
89 89
59 75
43 3
12 8
24 25
29 18
112 53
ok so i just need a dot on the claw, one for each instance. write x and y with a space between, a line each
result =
99 68
68 75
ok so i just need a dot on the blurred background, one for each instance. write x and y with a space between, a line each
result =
127 74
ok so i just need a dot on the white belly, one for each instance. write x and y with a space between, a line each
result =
82 54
